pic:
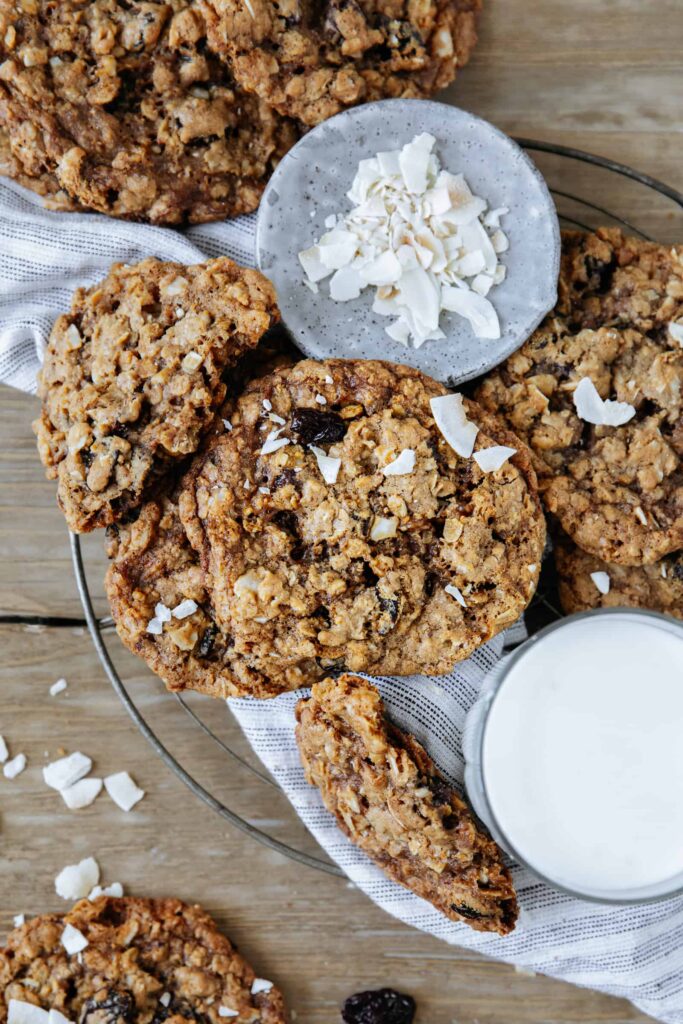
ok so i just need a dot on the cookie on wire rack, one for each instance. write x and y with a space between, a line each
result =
391 801
338 528
134 376
122 108
312 60
131 959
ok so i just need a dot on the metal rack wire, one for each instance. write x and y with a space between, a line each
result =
647 214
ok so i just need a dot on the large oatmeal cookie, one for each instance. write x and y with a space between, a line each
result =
146 961
121 108
610 279
133 377
658 587
311 60
390 800
617 491
318 560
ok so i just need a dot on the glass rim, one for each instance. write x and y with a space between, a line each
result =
671 624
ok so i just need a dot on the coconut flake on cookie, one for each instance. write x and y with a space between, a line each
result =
591 408
451 419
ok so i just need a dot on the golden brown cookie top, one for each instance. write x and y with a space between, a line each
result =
145 961
311 60
390 799
121 108
321 554
617 490
133 377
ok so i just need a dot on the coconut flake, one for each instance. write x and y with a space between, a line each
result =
383 529
162 612
226 1011
676 332
67 770
321 400
592 409
75 881
165 998
457 594
415 230
19 1012
401 465
18 920
491 459
115 889
81 794
58 687
14 767
73 940
155 626
328 465
274 442
451 419
228 425
260 985
123 790
601 581
4 753
185 608
640 515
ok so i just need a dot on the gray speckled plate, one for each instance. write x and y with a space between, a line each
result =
311 183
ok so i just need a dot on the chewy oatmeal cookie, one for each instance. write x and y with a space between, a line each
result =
121 108
609 279
133 377
658 587
391 801
311 60
318 560
146 961
617 491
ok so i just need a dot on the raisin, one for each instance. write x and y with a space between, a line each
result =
287 476
317 427
389 606
431 579
677 570
287 521
467 912
441 791
382 1006
207 641
599 274
109 1006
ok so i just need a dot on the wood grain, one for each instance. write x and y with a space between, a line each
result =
603 75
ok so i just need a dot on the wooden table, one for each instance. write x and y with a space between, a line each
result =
596 74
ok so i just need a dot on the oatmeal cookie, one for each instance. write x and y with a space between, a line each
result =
609 279
311 60
319 560
121 108
617 491
391 801
146 961
133 377
658 587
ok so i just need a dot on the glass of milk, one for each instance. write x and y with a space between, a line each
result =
574 755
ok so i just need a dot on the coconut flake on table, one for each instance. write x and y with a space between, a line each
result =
75 881
451 419
328 465
73 940
421 238
591 408
4 752
123 791
58 687
601 581
67 770
81 794
15 767
18 920
491 459
403 464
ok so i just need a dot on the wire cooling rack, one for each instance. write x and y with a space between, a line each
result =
196 730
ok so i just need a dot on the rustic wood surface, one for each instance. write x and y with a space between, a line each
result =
597 74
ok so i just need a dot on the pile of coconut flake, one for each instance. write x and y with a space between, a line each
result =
419 236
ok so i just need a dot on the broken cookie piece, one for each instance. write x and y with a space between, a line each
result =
134 375
391 801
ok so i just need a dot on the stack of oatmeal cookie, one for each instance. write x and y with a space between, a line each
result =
178 112
597 394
